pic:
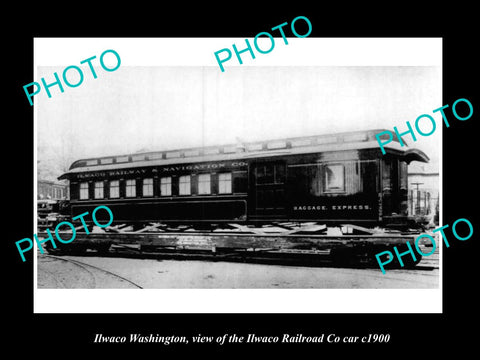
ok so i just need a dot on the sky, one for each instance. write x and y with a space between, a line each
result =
145 108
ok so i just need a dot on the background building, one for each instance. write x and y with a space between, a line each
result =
54 190
423 191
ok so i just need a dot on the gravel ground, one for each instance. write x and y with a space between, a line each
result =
59 274
158 274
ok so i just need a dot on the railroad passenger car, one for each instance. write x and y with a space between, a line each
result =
336 178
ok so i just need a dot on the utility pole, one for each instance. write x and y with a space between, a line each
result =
417 204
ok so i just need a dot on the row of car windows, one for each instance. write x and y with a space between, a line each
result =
204 182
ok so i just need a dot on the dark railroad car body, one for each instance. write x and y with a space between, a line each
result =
338 178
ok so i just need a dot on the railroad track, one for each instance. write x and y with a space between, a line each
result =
308 258
97 277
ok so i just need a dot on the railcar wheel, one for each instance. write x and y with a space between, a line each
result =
74 249
408 262
407 259
147 248
67 249
342 256
103 248
358 256
53 251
